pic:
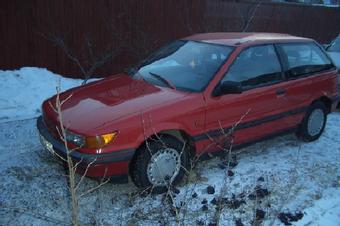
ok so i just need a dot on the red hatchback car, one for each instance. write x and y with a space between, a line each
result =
149 123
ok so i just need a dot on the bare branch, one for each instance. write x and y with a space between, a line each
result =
250 19
94 188
82 177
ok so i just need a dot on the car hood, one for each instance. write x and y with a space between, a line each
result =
98 103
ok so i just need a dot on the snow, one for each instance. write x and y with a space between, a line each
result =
325 211
22 91
299 176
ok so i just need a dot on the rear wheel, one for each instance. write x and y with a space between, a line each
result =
159 163
314 122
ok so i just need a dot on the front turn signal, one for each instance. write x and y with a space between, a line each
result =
100 141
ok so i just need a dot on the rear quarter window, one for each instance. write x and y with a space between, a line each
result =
301 59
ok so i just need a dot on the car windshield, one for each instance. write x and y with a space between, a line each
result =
335 45
183 65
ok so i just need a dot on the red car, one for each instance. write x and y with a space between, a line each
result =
149 123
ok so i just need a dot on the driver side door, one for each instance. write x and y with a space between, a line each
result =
257 109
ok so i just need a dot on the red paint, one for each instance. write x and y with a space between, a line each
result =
138 110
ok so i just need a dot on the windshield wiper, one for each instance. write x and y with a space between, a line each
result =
163 80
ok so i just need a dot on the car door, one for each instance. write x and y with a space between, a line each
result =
305 67
256 110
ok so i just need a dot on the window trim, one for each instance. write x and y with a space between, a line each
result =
282 74
285 69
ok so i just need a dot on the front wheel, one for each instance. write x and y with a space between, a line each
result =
159 163
313 124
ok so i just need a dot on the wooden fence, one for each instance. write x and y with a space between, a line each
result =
106 36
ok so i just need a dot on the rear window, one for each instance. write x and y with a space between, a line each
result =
303 58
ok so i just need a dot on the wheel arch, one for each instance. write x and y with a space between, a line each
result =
326 101
179 134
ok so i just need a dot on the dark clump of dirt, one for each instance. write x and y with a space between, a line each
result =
200 222
238 222
252 196
205 207
214 201
204 201
261 179
259 216
194 195
230 173
210 189
235 203
287 218
258 193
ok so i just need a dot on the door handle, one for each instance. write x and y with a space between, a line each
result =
280 92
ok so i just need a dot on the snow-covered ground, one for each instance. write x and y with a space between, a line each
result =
278 178
22 91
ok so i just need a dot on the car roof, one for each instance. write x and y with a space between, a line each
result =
239 38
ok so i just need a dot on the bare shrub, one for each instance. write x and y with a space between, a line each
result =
72 165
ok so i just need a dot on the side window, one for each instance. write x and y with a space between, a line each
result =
255 66
303 58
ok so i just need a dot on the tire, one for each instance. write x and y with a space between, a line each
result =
160 163
314 122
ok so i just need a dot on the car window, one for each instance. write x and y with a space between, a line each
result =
303 58
187 65
255 66
335 45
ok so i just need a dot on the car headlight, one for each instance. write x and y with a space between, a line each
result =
100 140
75 138
90 142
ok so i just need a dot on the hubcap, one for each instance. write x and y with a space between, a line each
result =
315 122
163 167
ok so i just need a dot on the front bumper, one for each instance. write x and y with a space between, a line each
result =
112 165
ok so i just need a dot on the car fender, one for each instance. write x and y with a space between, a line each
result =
159 128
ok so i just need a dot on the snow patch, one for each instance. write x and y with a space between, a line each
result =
325 211
23 91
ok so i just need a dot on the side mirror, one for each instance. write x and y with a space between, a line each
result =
228 87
